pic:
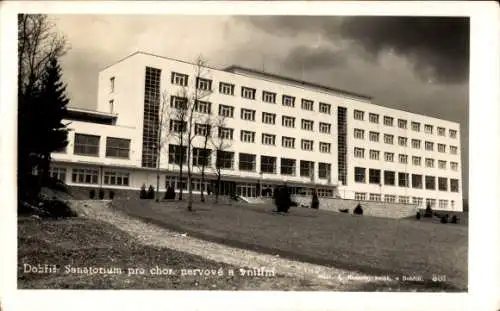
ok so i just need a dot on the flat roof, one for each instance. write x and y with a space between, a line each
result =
88 115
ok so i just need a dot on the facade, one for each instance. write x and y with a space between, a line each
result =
275 130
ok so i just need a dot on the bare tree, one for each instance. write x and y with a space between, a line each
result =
221 142
178 126
207 123
164 134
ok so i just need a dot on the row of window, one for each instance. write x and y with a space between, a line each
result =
247 162
403 158
403 141
417 180
88 145
391 198
91 176
415 126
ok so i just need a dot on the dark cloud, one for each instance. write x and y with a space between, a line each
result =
314 58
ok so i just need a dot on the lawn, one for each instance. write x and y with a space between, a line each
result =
364 244
84 243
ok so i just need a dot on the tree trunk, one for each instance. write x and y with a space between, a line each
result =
190 189
218 189
202 181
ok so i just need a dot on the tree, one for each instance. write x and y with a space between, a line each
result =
164 134
207 122
178 126
221 142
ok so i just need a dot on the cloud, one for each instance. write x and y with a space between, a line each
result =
314 58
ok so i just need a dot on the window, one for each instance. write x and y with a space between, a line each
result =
58 173
116 178
226 133
402 124
307 125
247 162
325 108
453 150
374 136
454 185
359 115
247 136
224 159
359 196
403 179
359 133
288 142
428 129
442 148
429 146
360 174
268 118
226 88
415 143
374 176
415 126
201 157
176 153
389 156
430 202
389 121
374 155
268 139
117 147
178 102
429 162
403 158
453 133
306 168
359 152
442 164
247 114
269 97
202 129
287 166
443 184
418 201
288 121
85 176
441 131
373 117
325 128
403 199
324 147
452 204
226 111
454 166
375 197
86 145
247 92
390 198
389 178
430 182
178 126
203 106
324 170
288 100
388 139
402 141
203 84
268 164
443 204
307 104
307 145
111 84
416 181
417 161
179 79
111 106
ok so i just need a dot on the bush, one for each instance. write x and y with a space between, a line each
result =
346 210
444 219
315 201
92 194
151 192
170 193
55 209
143 194
282 199
428 211
101 194
419 216
358 210
454 219
111 194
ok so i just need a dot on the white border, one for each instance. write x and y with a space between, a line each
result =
484 167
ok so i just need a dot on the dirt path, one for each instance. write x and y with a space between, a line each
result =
321 276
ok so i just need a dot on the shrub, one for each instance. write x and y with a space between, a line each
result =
444 219
92 194
111 194
358 210
170 193
315 201
56 209
418 215
101 194
151 192
283 200
143 194
454 219
346 210
428 211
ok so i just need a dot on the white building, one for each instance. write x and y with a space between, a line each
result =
282 130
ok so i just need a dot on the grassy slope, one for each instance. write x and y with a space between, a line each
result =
366 244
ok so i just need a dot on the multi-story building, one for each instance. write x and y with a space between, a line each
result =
276 130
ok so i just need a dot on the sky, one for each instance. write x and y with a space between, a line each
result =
417 64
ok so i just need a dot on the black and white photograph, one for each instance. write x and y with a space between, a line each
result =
243 152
